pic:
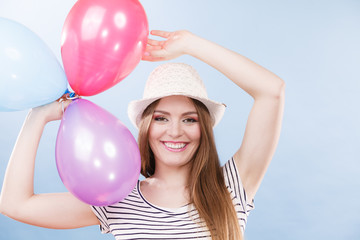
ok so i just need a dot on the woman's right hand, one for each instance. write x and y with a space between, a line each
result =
51 111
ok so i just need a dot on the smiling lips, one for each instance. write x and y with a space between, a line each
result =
175 146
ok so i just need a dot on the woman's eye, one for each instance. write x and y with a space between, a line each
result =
190 120
160 119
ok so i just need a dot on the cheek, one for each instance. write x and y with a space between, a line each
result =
155 134
154 146
152 132
196 133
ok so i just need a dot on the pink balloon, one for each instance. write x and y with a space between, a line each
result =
97 157
102 42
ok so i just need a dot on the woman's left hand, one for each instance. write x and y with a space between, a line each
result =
175 45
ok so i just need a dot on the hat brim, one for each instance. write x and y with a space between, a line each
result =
137 107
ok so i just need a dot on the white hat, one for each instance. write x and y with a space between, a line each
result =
174 79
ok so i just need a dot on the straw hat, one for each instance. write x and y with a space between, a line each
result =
174 79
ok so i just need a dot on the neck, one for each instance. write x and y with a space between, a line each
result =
172 177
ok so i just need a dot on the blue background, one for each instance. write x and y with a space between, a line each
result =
312 187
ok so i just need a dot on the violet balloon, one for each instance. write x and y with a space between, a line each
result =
102 42
97 157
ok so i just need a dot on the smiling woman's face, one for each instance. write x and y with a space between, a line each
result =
174 133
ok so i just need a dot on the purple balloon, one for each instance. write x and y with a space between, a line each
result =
97 157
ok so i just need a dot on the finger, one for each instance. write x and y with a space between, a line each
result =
152 59
156 55
148 56
149 49
152 48
65 104
62 98
155 42
159 33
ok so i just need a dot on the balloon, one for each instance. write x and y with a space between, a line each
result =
102 42
30 74
97 157
4 109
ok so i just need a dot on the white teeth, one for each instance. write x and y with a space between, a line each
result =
175 145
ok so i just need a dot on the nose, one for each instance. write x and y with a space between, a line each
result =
175 129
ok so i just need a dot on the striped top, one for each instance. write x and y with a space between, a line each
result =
136 218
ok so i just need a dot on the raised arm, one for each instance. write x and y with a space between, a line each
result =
18 201
264 121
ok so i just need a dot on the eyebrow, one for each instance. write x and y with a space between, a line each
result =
167 113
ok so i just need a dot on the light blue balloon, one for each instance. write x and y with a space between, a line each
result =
30 74
3 109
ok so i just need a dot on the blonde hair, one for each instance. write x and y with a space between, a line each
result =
206 184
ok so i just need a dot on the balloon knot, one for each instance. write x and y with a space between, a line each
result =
71 96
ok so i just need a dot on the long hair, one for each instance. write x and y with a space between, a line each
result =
206 183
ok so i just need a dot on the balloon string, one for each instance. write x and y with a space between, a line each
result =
68 96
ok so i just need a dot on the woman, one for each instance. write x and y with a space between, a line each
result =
186 194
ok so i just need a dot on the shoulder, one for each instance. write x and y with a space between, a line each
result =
130 203
231 174
234 185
